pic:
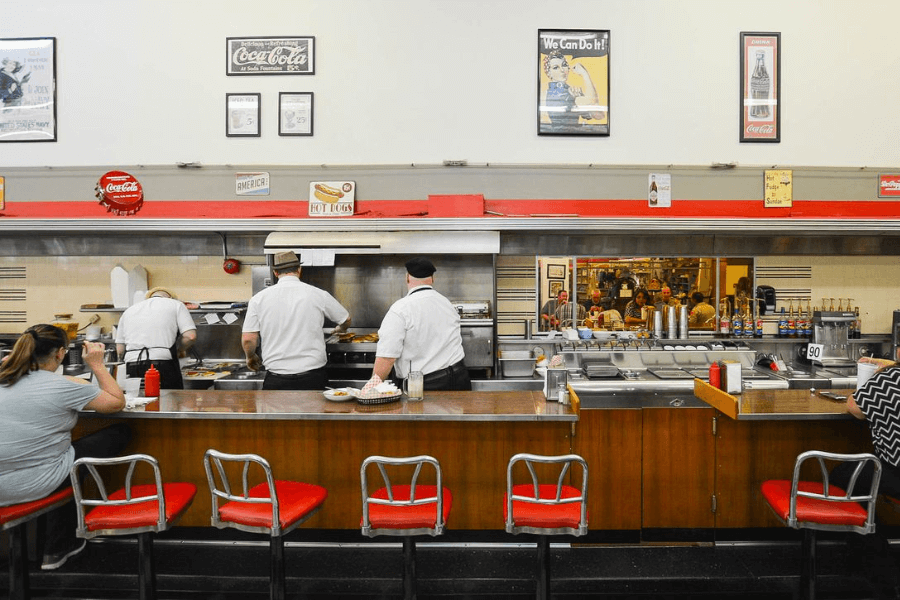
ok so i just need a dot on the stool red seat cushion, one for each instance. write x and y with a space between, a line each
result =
813 510
295 500
528 514
145 514
15 512
408 517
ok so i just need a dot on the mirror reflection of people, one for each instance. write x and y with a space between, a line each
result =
549 321
610 316
564 311
633 308
592 306
703 314
566 104
665 298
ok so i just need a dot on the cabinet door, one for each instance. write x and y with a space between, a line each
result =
678 468
610 443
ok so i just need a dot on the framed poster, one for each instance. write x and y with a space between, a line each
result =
295 113
573 82
556 271
554 288
28 89
242 115
270 55
760 87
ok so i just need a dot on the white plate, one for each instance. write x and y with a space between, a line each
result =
349 395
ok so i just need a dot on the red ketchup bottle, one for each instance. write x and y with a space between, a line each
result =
151 383
715 376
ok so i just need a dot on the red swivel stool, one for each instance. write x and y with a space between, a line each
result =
13 519
140 510
544 508
273 507
819 506
404 510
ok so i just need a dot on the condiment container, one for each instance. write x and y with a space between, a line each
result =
67 324
151 382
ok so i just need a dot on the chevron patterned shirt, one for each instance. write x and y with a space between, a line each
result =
879 400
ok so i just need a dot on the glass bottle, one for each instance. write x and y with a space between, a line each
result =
807 327
791 321
725 320
800 325
758 320
737 323
760 85
782 324
857 324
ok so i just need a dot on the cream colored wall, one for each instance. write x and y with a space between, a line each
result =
872 282
62 284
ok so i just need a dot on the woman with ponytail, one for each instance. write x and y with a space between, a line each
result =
38 410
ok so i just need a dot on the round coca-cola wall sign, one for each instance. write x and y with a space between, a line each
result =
120 192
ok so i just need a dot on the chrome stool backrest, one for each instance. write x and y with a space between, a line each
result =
566 461
220 487
865 497
381 462
132 460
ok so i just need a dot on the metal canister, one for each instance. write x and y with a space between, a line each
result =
673 324
657 324
683 321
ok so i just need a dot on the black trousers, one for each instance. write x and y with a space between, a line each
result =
454 377
311 380
169 373
106 443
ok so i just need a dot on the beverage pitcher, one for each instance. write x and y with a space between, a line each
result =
414 386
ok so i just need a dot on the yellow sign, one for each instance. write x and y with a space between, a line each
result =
779 188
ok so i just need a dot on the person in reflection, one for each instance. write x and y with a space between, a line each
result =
38 410
665 299
609 316
420 332
593 306
702 315
564 310
288 318
549 322
633 308
155 331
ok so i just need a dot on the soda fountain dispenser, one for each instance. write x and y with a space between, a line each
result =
831 329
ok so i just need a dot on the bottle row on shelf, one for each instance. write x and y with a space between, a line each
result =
793 321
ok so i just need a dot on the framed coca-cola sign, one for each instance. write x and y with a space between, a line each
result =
760 87
270 55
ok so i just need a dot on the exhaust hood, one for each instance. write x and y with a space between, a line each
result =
386 242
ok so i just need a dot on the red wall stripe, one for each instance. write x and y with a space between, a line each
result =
541 208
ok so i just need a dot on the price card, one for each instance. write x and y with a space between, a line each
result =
814 351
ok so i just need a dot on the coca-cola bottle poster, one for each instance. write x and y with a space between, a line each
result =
760 87
573 82
28 90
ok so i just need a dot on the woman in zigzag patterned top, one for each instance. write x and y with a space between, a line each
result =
878 402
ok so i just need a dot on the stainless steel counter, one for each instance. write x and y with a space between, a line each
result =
523 405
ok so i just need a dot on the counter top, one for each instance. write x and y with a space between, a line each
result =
521 405
773 405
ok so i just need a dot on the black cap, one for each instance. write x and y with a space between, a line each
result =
420 268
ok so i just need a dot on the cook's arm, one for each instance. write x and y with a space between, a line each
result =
342 327
187 340
383 366
250 342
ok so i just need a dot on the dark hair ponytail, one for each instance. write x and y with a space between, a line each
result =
32 348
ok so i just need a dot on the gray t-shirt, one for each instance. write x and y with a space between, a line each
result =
37 415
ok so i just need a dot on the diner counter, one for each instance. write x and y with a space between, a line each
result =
522 405
774 405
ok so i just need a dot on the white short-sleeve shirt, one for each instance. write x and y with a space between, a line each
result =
421 329
155 324
289 317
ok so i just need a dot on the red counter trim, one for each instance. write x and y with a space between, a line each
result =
539 208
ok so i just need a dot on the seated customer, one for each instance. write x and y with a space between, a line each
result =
702 315
633 309
38 410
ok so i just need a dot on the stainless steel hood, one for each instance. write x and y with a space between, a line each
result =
385 242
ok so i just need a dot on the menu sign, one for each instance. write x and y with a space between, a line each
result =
889 186
270 56
779 188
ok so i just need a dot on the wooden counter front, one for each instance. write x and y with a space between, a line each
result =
472 434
